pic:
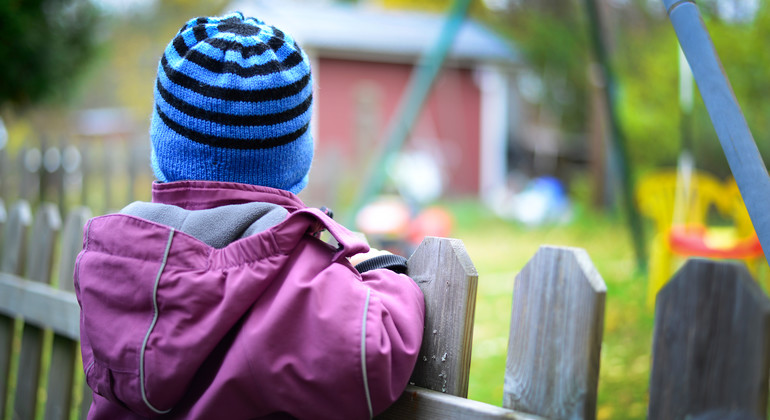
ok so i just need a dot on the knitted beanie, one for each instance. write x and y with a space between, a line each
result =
233 103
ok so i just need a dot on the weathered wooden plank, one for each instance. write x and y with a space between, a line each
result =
557 321
724 414
15 238
423 404
444 272
28 379
30 163
38 268
85 403
3 214
6 324
711 344
71 245
14 243
61 377
40 305
39 263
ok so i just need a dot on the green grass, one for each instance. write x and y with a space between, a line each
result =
500 249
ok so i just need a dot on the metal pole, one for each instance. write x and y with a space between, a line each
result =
420 83
742 154
617 136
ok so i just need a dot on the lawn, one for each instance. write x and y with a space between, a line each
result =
500 249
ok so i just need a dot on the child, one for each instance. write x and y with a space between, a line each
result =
217 300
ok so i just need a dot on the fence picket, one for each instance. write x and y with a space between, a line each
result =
61 378
85 402
71 245
448 279
15 238
3 218
557 320
14 243
711 344
38 269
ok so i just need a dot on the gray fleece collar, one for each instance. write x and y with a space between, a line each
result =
217 226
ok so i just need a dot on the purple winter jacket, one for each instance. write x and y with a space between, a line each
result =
276 324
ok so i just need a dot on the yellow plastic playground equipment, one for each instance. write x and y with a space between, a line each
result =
680 208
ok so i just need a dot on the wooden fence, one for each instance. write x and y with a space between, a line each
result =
710 354
103 175
106 174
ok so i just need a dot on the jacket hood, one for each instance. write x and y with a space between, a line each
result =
216 227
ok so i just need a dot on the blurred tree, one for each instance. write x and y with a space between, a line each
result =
137 38
552 36
44 46
647 58
431 5
742 48
437 6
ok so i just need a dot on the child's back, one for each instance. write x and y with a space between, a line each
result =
217 300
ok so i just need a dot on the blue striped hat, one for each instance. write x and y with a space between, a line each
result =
233 103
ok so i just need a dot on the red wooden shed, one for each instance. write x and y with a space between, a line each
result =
362 58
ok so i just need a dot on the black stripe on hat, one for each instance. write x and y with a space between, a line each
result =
229 94
230 142
219 66
189 24
200 33
180 46
238 18
247 51
277 33
215 65
234 120
275 43
236 27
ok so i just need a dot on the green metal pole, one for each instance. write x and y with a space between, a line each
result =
420 83
617 137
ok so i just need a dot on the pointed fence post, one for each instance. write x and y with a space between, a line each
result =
62 376
3 218
38 269
11 261
71 245
15 238
557 322
445 274
711 345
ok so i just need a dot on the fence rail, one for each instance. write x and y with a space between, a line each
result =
711 344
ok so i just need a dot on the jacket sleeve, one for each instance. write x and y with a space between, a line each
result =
392 262
395 321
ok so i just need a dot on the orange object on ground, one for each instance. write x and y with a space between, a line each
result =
694 241
433 221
